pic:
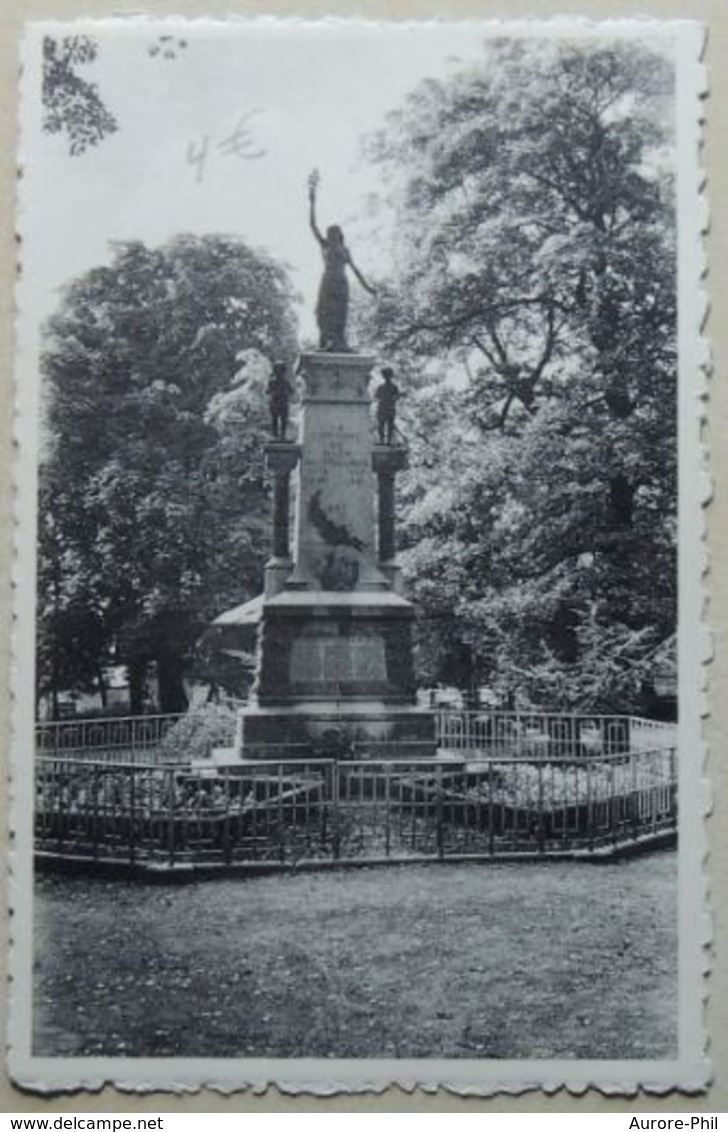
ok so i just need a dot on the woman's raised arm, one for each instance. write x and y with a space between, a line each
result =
313 181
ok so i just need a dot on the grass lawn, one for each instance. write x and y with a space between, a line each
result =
561 960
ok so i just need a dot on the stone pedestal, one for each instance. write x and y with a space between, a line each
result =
280 460
387 460
335 542
334 654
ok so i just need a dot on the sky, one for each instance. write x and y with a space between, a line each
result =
307 94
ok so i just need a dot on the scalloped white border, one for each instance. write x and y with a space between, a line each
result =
690 1071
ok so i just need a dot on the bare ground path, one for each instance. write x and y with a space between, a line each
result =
506 961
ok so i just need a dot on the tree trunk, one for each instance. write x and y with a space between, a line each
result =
172 695
621 502
137 672
563 634
101 684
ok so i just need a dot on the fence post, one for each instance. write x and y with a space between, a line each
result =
132 816
281 842
387 795
322 799
95 812
170 817
589 806
59 785
634 808
335 802
439 813
491 832
226 841
673 783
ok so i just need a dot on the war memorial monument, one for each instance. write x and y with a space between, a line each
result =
334 664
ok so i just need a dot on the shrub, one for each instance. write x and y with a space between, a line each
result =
194 736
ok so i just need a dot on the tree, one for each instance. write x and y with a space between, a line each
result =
70 103
153 503
534 243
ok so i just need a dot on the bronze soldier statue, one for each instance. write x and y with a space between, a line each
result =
387 394
279 396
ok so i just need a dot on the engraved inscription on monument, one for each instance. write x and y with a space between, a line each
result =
337 659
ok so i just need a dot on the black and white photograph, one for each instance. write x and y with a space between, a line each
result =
358 653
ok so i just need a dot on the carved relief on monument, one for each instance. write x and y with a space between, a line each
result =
336 531
338 659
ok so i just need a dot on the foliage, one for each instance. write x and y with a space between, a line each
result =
70 103
153 501
74 106
533 242
194 736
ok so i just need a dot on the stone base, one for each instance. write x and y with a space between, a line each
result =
335 648
277 573
344 731
393 573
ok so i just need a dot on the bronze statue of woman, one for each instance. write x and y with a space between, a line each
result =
332 305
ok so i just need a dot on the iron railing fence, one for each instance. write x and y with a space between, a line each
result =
324 811
112 738
541 735
529 735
